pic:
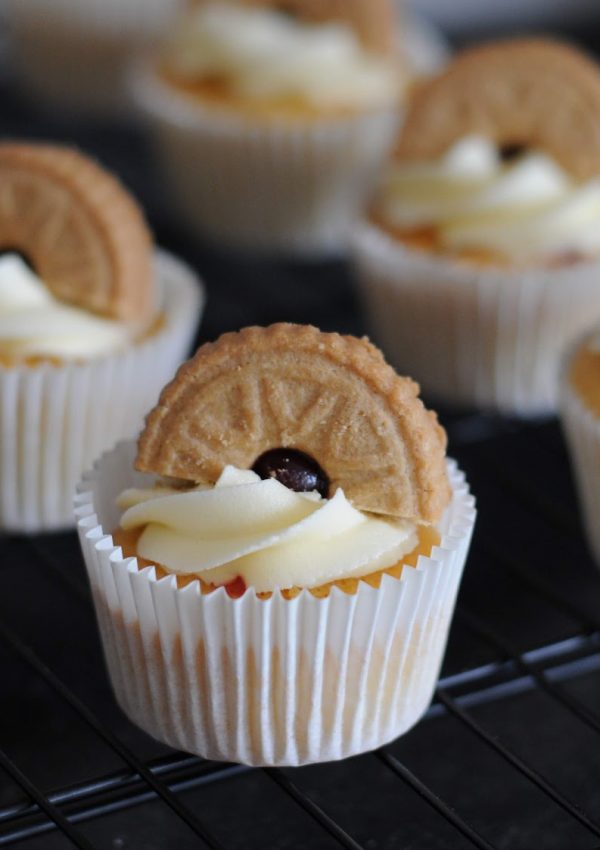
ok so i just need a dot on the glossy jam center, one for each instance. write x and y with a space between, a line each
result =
511 151
294 469
288 10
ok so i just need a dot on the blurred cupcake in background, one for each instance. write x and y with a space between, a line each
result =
92 323
74 53
479 261
272 119
580 415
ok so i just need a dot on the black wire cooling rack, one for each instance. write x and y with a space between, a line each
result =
508 755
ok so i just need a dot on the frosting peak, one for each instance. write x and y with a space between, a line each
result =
524 208
262 53
34 323
260 530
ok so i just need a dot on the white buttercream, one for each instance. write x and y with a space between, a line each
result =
262 531
34 323
526 208
264 54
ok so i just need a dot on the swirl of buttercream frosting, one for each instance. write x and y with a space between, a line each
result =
526 208
263 54
261 531
34 323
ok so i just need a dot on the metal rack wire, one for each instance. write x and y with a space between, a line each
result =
543 670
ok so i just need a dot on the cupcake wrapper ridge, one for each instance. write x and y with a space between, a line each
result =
582 432
487 337
54 420
265 185
268 682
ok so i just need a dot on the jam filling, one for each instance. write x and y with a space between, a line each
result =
511 151
236 588
294 469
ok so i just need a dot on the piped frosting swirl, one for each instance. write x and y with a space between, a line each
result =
261 531
526 208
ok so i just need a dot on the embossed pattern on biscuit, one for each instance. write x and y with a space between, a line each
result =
537 93
290 386
79 228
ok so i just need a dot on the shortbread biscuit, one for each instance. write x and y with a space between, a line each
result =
290 386
372 20
82 232
536 93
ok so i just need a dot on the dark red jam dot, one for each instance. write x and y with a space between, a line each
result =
511 151
294 469
236 588
288 9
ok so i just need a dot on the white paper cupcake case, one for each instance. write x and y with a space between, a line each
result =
582 431
265 186
76 53
54 420
475 336
279 682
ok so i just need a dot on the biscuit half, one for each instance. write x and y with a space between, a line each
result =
291 386
79 228
534 93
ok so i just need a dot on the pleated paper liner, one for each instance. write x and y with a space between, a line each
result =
266 186
55 419
581 427
268 681
472 335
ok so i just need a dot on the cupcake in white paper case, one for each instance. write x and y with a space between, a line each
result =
272 119
480 259
92 323
274 581
75 54
580 417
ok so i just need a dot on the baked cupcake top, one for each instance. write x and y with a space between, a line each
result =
76 275
288 457
499 157
286 55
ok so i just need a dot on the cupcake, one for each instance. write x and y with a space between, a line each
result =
580 415
274 583
92 322
74 54
272 119
479 260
